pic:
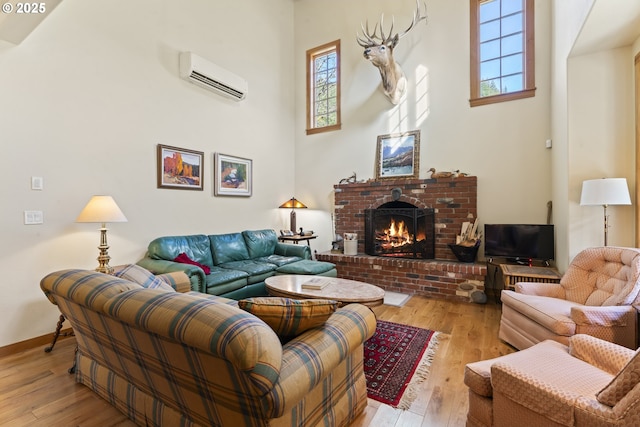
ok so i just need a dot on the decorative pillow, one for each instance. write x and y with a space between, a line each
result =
184 259
288 317
143 277
622 383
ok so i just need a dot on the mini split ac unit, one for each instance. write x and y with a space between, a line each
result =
210 76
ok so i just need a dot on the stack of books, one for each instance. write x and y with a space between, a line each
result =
316 283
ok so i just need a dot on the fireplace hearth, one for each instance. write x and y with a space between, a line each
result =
400 229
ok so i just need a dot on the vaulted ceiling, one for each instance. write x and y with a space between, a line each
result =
610 24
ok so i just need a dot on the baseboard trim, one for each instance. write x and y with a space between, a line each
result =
31 343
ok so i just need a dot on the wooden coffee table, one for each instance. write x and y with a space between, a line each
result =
344 291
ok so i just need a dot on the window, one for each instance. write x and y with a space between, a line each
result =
323 88
502 51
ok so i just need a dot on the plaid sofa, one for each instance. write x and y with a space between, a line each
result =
165 358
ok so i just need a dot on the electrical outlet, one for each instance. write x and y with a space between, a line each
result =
33 217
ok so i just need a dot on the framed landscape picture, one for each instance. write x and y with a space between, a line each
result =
180 168
232 175
398 155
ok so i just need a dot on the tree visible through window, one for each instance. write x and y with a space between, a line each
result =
323 88
502 50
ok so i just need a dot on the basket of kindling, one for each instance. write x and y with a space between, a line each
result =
467 243
465 253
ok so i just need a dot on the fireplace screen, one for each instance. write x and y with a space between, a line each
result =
399 229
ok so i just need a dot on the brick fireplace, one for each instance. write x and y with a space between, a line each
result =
453 200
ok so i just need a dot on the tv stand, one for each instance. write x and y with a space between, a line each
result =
505 275
521 261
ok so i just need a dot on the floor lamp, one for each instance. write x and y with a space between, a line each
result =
605 192
102 209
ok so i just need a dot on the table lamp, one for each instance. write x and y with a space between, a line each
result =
293 204
605 192
102 209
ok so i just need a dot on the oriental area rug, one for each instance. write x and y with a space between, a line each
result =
397 359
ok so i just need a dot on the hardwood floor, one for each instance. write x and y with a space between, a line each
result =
36 389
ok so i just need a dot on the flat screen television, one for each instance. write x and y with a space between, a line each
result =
519 242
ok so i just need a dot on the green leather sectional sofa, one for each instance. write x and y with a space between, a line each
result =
237 263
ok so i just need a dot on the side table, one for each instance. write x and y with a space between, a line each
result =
297 238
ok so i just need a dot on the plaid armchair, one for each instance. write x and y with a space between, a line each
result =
589 383
595 297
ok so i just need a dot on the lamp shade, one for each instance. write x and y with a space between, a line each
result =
605 191
293 203
101 209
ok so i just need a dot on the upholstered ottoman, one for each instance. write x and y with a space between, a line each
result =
307 266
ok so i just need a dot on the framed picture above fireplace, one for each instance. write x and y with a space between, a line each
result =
398 155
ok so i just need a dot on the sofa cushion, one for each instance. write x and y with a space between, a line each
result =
306 266
552 313
257 271
220 276
477 375
278 260
223 280
288 317
228 247
197 248
548 382
622 383
612 271
136 274
260 243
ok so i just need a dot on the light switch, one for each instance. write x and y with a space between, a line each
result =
37 183
33 217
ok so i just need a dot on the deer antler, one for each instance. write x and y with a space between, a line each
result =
373 39
417 17
369 38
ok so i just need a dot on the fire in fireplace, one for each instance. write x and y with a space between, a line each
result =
400 229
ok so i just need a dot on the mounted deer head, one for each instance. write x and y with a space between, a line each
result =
379 50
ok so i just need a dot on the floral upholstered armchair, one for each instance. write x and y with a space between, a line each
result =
596 296
590 382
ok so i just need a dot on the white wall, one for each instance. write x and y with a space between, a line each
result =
593 117
85 100
601 142
568 18
502 144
